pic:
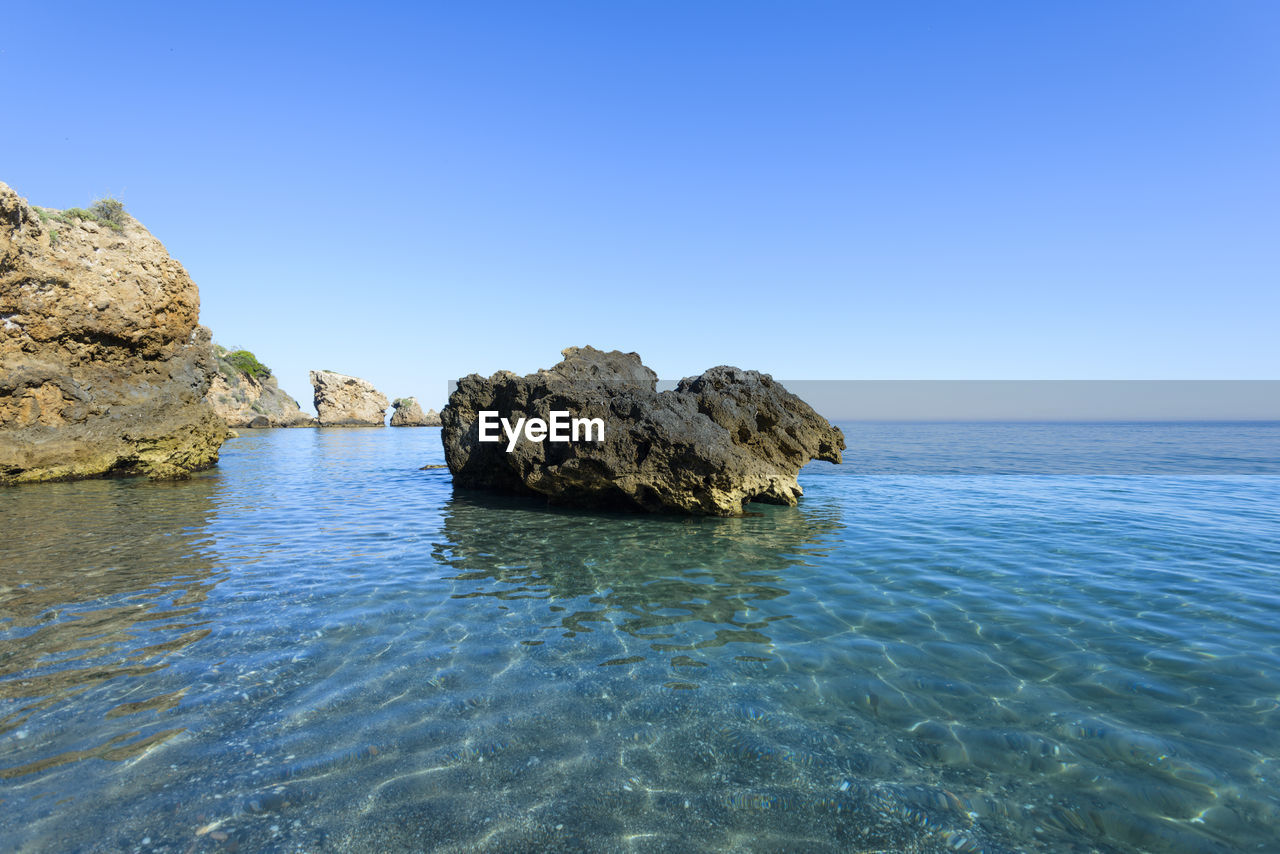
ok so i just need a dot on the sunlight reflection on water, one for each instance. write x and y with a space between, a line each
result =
318 646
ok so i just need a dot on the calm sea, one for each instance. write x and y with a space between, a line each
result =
970 637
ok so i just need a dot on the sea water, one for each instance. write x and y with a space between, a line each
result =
1009 637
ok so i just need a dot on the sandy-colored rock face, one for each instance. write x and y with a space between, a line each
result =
343 401
103 368
242 400
719 440
408 413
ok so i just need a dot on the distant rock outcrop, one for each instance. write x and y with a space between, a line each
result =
407 413
343 401
245 394
716 442
103 367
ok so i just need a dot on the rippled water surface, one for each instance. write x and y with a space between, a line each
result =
319 647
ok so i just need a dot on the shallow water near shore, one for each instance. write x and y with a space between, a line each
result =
319 647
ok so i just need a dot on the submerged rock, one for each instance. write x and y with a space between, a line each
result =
718 441
245 394
103 366
408 413
343 401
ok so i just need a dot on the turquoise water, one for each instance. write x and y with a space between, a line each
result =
319 647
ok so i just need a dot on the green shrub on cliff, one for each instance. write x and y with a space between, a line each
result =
108 211
247 364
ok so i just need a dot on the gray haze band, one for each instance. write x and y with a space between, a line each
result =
1035 400
1041 400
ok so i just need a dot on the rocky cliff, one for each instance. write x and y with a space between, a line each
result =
716 442
343 401
245 394
103 367
407 412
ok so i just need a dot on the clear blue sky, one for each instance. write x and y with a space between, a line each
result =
822 190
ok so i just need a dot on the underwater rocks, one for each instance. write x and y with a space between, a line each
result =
408 413
103 366
245 394
343 401
716 442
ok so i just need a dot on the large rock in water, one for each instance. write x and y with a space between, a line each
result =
245 394
343 401
408 413
716 442
103 368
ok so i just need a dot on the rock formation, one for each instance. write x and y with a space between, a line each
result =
245 394
719 440
407 413
343 401
103 367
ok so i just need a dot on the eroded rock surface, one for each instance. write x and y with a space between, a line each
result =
343 401
251 397
103 366
718 441
407 412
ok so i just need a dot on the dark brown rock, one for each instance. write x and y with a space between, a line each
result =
718 441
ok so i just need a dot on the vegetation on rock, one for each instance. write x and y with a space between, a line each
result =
107 211
243 389
247 364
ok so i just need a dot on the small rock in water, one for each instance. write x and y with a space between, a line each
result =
408 413
343 401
